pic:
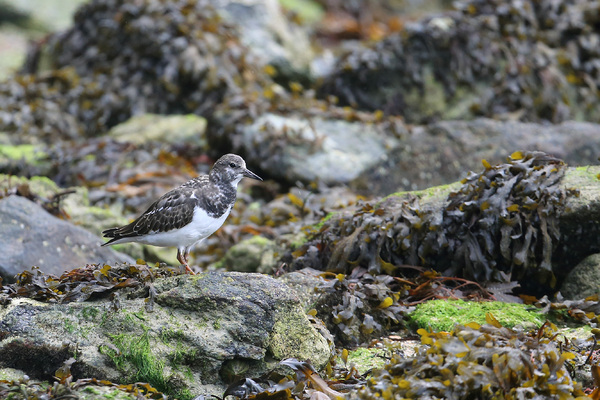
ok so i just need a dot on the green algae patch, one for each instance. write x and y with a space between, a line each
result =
25 152
133 355
292 336
366 359
442 315
440 192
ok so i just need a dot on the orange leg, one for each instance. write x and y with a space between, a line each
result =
183 259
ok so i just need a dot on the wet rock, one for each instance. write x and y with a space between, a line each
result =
583 280
271 38
199 328
171 129
256 254
444 152
45 15
30 236
74 204
332 151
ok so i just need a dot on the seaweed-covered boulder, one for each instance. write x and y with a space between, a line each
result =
185 335
528 60
30 236
481 362
126 58
530 220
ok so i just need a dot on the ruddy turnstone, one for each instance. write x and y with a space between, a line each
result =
188 214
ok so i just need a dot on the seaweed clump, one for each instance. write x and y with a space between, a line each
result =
479 362
532 60
80 284
501 225
128 57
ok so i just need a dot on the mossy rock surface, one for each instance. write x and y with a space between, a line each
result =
185 345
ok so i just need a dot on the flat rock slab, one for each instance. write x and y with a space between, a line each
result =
445 151
203 332
30 236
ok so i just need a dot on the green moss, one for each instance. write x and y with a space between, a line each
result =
91 390
435 191
320 224
309 10
136 357
365 359
69 326
441 315
89 313
580 174
40 185
25 152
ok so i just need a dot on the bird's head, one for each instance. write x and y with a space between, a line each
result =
231 168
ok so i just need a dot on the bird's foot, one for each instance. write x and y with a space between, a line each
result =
182 257
188 269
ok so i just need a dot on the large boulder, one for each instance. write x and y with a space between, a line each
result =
30 236
529 220
515 59
294 147
202 332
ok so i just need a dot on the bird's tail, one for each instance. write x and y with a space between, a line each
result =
110 233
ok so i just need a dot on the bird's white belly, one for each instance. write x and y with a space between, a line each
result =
201 227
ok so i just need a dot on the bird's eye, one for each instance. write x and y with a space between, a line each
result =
232 165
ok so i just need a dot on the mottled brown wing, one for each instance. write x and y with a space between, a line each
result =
172 211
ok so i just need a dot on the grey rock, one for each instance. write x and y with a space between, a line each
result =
269 36
203 330
444 152
326 150
304 282
256 254
31 236
48 15
583 280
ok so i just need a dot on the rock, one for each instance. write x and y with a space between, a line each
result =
583 280
268 34
31 236
444 152
10 374
327 150
304 283
172 129
47 15
204 331
257 254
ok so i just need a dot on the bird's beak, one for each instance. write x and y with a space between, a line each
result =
249 174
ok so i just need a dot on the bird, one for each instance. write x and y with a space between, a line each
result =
189 213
